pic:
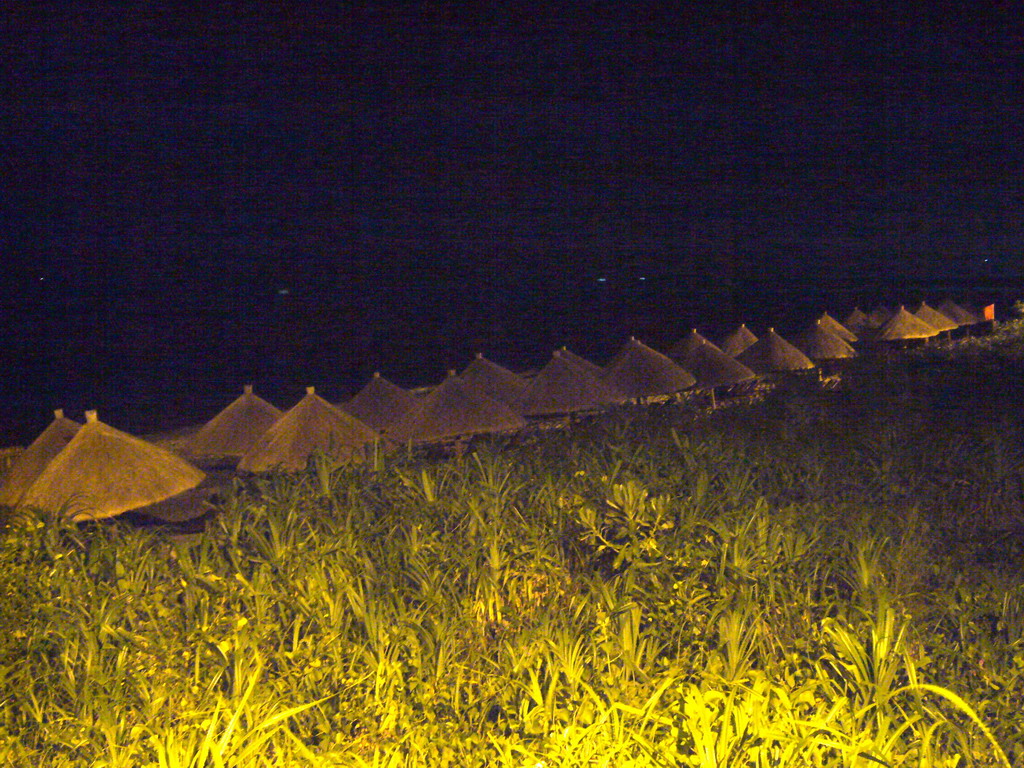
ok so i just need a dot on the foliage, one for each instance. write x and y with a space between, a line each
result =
820 579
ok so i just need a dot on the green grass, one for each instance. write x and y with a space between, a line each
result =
821 579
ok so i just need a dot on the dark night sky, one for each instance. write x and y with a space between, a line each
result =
294 196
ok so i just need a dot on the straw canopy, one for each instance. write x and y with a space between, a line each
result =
957 314
857 321
572 357
381 403
903 326
33 460
564 386
103 472
737 341
818 343
495 381
935 318
639 371
234 431
772 353
691 341
712 367
836 328
454 409
879 316
311 425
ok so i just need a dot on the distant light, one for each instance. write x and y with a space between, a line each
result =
284 291
602 279
643 278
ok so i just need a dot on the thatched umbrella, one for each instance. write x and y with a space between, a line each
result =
903 326
381 403
935 318
454 409
879 316
819 344
493 380
773 354
638 371
564 386
857 321
103 472
311 425
712 367
33 460
737 341
957 314
572 357
234 431
836 328
682 348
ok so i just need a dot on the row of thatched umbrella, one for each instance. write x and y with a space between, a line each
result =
94 470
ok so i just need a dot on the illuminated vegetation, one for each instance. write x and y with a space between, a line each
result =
821 579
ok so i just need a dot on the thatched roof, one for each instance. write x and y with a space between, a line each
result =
381 403
957 314
311 425
737 341
935 318
902 326
454 409
33 460
103 472
639 371
572 357
857 321
565 386
234 431
819 343
772 353
712 367
836 328
879 316
682 348
490 379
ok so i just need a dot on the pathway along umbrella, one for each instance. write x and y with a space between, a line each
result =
103 472
33 460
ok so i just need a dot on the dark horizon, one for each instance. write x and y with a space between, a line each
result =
294 196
